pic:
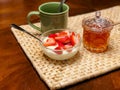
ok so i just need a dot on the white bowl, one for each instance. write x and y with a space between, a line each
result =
66 54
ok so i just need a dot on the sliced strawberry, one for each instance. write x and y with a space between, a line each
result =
60 44
68 47
58 50
52 35
50 42
73 33
73 38
64 33
63 39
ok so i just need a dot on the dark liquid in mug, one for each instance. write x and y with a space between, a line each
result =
52 8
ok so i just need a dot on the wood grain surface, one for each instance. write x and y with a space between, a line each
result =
16 72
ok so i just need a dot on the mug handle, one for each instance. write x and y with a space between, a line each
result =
29 22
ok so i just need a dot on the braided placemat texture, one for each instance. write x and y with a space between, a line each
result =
85 65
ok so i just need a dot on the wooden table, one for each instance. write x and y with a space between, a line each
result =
16 72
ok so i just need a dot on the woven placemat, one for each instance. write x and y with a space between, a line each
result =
85 65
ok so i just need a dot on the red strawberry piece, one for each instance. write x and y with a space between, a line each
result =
73 33
57 33
63 39
50 42
58 50
64 33
52 35
60 44
73 38
68 47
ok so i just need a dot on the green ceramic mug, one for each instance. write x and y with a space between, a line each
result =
50 17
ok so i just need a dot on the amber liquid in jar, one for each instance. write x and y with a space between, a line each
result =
95 37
